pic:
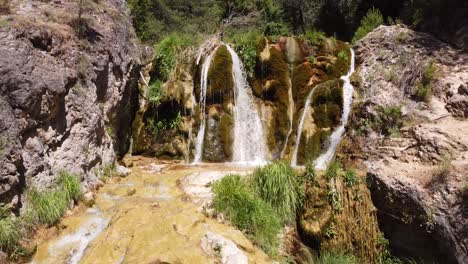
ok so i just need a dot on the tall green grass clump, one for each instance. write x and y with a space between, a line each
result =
277 184
48 207
10 234
70 184
244 209
337 258
371 21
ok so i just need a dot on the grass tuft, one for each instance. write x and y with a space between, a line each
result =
10 234
70 185
333 169
351 178
277 184
47 207
256 218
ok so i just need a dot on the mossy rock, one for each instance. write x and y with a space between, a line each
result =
317 212
220 80
327 102
217 145
226 125
348 224
312 146
300 79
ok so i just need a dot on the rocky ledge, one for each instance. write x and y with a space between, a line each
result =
68 91
409 129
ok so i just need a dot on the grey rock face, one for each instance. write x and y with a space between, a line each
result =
422 214
67 96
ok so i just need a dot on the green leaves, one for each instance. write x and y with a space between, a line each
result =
372 20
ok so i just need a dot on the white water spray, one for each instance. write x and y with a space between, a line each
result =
249 142
322 162
202 105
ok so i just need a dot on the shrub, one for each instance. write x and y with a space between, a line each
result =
442 171
256 218
424 87
371 21
315 37
336 258
388 120
277 184
70 184
342 55
310 172
166 54
245 44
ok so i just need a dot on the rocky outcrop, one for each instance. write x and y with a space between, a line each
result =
68 91
409 128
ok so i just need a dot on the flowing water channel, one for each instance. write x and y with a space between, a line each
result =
145 217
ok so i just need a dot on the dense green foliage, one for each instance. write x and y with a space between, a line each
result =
243 208
277 184
372 20
245 45
166 54
260 203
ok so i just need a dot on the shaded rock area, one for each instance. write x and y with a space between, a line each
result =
68 91
414 147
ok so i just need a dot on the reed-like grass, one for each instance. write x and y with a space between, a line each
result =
247 211
278 185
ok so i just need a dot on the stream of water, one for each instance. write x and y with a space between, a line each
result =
323 160
249 142
202 104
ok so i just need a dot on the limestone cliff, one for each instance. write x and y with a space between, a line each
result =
68 91
409 128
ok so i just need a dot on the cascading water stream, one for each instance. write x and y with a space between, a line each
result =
202 104
299 128
249 143
323 160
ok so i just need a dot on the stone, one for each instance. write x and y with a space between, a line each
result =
66 103
218 246
421 220
122 171
89 198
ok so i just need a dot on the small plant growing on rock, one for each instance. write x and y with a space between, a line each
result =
424 87
441 173
464 190
330 231
333 169
351 178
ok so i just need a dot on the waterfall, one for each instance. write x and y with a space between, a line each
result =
249 142
322 162
299 128
202 105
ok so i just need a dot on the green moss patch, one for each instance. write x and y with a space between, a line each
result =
220 79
